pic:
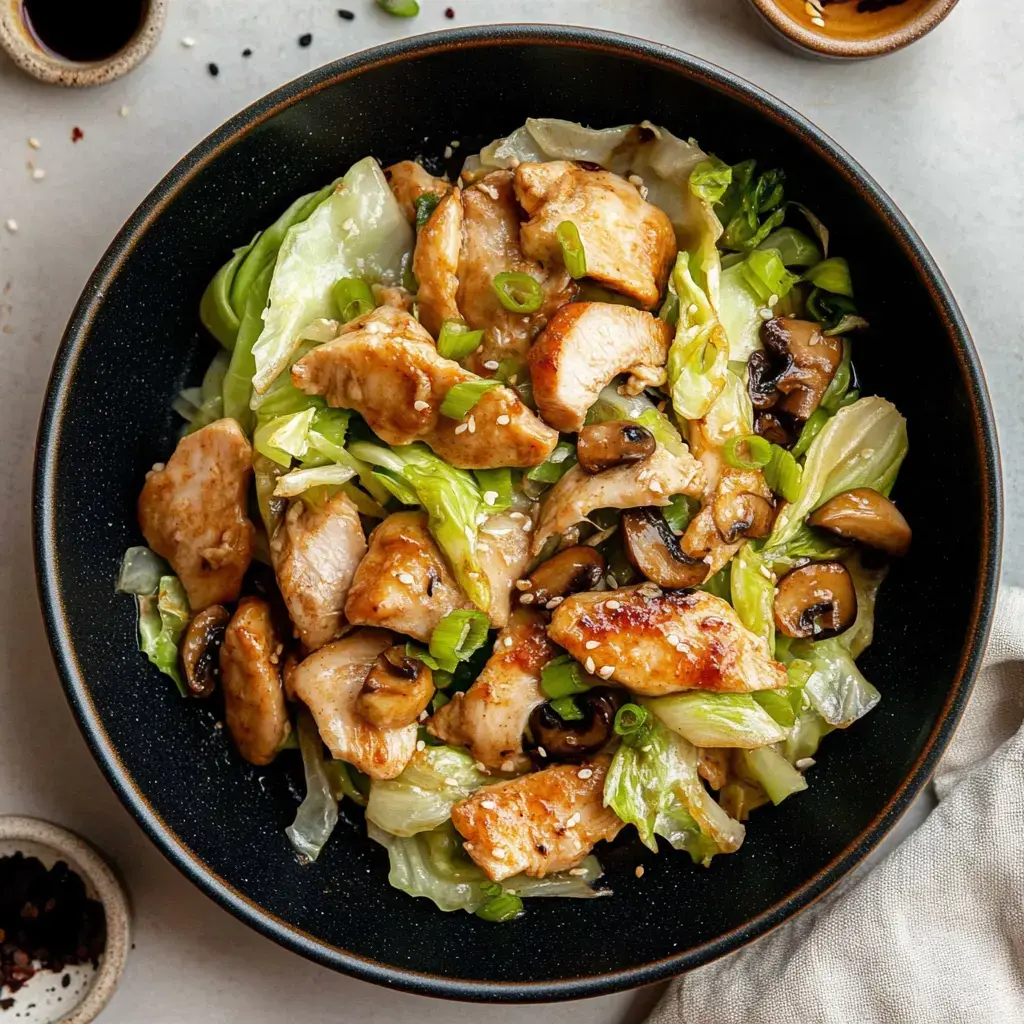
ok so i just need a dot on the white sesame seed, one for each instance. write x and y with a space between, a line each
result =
513 378
766 314
820 22
499 852
424 715
692 308
554 602
773 299
574 820
406 578
481 767
490 497
522 584
488 805
527 599
612 605
451 782
516 515
639 871
503 420
420 405
455 143
681 648
491 364
577 872
34 142
447 152
589 665
12 225
612 582
188 42
527 525
420 745
584 773
461 428
158 467
508 766
806 762
647 748
542 752
592 645
606 671
472 424
124 111
656 487
38 174
672 639
765 572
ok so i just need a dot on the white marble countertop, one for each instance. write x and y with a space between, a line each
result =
939 126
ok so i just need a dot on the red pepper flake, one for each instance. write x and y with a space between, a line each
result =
77 133
449 12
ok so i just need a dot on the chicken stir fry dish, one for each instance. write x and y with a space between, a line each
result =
528 506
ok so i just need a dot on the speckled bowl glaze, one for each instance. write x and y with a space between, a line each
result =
882 33
135 339
44 1000
25 51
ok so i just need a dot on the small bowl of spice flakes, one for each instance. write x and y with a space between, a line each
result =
852 29
64 926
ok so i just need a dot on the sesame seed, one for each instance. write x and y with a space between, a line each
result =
491 364
766 314
481 767
522 584
488 805
806 762
516 515
613 583
574 820
508 766
554 602
584 773
589 665
681 648
820 22
420 405
455 143
12 225
461 428
490 497
527 598
542 752
499 852
34 142
38 174
124 111
305 39
656 487
592 645
765 572
158 467
406 578
213 69
447 152
773 299
188 42
635 179
451 782
672 639
612 605
527 525
424 715
472 424
692 308
513 378
639 871
503 420
577 872
420 745
606 671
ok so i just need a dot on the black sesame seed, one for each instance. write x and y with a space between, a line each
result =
213 69
247 52
305 40
346 15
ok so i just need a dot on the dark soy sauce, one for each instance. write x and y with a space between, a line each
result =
81 31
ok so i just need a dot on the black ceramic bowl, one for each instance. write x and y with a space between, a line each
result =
135 339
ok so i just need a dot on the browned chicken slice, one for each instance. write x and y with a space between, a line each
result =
489 718
315 555
584 347
538 824
656 641
386 367
250 674
192 512
633 485
629 243
435 264
409 180
329 681
404 582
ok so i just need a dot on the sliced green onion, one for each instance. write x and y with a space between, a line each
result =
457 636
400 8
496 488
833 275
456 340
557 464
562 677
849 398
517 292
353 298
632 723
418 653
812 428
461 398
397 486
425 205
680 511
783 473
573 254
758 452
504 906
567 709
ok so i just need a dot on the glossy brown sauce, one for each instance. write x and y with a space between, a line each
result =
80 31
855 19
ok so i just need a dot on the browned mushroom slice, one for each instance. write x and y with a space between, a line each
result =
654 549
397 689
777 428
569 572
603 445
809 360
816 601
865 515
741 514
571 740
200 649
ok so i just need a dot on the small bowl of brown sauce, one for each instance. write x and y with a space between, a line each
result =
75 43
852 29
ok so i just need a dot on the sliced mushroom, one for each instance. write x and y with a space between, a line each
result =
200 649
808 361
865 515
741 514
396 691
778 428
569 741
761 378
816 601
603 445
654 549
571 571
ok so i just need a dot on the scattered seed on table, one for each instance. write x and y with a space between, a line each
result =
213 69
188 42
38 174
346 15
77 133
247 52
306 39
33 142
124 111
12 225
449 12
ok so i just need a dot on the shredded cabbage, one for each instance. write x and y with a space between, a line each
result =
163 617
717 719
318 813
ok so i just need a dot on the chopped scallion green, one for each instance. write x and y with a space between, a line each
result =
353 298
456 340
461 398
518 292
747 452
457 636
562 677
573 253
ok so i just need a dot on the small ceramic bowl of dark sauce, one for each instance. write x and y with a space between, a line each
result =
74 43
852 29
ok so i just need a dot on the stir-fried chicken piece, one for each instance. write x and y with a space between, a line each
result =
386 367
584 347
538 824
250 675
656 641
404 582
329 681
192 512
633 485
435 264
315 555
491 715
629 243
409 180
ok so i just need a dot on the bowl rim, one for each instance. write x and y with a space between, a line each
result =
45 512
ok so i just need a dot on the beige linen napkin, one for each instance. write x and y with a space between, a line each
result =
935 933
